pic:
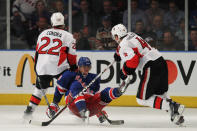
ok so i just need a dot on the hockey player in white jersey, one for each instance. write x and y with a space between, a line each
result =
55 53
136 53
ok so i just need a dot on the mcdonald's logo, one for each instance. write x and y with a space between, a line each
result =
21 67
20 71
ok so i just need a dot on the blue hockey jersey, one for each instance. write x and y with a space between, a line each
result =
82 81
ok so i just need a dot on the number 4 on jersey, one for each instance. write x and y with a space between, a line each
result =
143 43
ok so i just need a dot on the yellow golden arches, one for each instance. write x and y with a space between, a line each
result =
21 67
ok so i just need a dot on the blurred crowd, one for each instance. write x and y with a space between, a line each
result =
159 22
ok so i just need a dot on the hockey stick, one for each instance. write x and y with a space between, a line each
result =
123 88
46 123
112 122
44 94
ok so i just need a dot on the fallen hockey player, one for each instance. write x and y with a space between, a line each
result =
83 104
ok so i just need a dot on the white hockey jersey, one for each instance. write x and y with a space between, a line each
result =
133 44
50 45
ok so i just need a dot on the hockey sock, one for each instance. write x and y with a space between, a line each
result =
36 97
109 94
155 102
80 103
57 95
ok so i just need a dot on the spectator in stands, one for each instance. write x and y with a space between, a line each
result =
58 6
193 41
136 15
103 35
141 31
33 33
193 18
82 43
170 43
180 33
75 6
85 17
158 26
143 4
153 11
173 16
24 8
91 39
22 11
120 6
152 42
108 11
40 11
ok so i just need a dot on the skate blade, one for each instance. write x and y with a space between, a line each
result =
27 117
179 120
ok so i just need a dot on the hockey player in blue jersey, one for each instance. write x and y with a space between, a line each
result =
92 101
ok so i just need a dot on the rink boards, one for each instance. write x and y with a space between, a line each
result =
17 77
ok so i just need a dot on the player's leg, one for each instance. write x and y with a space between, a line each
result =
77 107
38 93
96 103
154 83
80 103
176 109
60 90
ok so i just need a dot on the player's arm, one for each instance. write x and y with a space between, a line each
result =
117 57
68 51
63 85
36 53
72 57
131 62
95 87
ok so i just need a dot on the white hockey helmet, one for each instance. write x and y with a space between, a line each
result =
120 30
57 19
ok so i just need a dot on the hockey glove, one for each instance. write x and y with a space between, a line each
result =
117 58
100 116
53 109
122 75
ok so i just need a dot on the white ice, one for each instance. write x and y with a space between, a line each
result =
136 119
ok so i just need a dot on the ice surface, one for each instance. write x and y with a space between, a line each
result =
136 119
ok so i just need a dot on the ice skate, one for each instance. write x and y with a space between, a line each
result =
100 116
176 111
85 115
52 110
28 113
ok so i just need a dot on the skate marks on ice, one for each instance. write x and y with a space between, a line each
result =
134 117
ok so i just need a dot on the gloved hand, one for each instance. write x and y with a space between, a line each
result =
122 75
53 109
117 58
101 117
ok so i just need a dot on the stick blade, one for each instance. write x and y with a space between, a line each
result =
117 122
46 123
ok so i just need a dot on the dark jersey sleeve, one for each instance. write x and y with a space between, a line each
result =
75 88
66 79
95 87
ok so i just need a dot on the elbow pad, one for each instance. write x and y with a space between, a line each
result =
130 65
128 71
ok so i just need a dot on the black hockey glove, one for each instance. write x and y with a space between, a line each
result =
117 57
122 75
73 67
